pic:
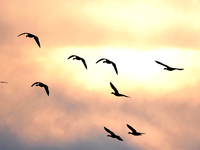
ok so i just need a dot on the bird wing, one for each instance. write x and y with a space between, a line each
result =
113 87
179 68
131 128
83 60
34 84
161 63
115 67
23 33
3 82
119 138
71 56
37 40
100 60
46 89
109 131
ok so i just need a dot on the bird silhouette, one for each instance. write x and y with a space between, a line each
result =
116 93
78 58
3 82
113 135
134 132
31 36
167 67
108 62
41 85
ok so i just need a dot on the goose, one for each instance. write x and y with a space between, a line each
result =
167 67
113 135
31 36
41 85
78 58
108 62
134 132
116 93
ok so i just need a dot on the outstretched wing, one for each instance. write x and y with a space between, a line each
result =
37 40
100 60
23 34
179 68
34 84
3 82
71 56
115 67
109 131
113 87
119 138
131 128
161 63
46 89
83 60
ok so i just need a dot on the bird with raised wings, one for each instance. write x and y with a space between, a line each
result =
116 93
78 58
108 62
134 132
168 67
41 85
31 36
113 135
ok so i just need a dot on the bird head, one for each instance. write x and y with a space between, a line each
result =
112 93
129 133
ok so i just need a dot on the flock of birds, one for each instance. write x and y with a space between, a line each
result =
116 92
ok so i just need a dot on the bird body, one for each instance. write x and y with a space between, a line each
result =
41 85
31 36
78 58
108 62
113 135
134 132
116 93
168 67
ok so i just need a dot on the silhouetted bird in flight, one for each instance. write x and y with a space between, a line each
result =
134 132
108 62
32 36
79 58
167 67
41 85
116 93
3 82
113 135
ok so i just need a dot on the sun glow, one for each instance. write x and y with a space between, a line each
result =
137 69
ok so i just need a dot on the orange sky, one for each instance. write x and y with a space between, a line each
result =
131 33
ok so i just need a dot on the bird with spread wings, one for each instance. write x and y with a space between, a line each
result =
113 135
116 93
31 36
78 58
108 62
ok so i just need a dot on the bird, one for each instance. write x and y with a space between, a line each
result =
108 62
3 82
31 36
116 93
134 132
167 67
78 58
113 135
41 85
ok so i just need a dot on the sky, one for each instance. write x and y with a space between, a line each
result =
133 34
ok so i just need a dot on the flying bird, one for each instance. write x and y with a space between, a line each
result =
113 135
3 82
31 36
108 62
134 132
116 93
167 67
41 85
79 58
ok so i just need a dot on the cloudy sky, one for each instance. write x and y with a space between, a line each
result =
132 33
